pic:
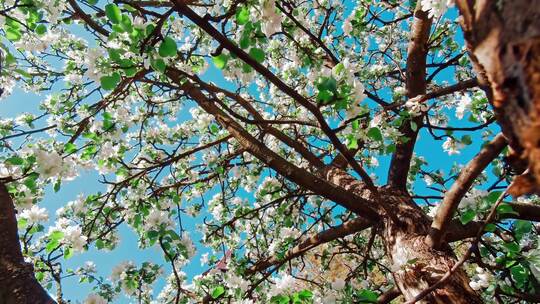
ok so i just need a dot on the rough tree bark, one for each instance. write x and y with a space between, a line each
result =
416 265
17 282
503 39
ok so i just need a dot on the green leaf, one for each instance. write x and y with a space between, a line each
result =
14 160
519 274
512 247
30 181
167 47
159 65
217 292
40 29
375 134
110 82
126 24
57 185
21 223
490 228
244 41
505 209
257 54
327 84
51 245
152 234
70 148
367 296
242 16
414 126
13 34
467 216
56 236
113 13
352 142
40 276
114 55
494 196
466 139
246 68
68 253
522 227
325 96
280 299
305 294
220 61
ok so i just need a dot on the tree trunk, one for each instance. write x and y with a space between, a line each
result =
416 266
503 39
18 284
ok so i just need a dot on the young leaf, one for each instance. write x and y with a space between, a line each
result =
242 16
218 291
40 29
257 54
110 82
467 216
220 61
375 134
367 296
14 160
167 48
113 13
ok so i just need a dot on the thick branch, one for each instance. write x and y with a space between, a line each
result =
87 19
17 282
522 211
416 85
182 8
389 296
453 197
352 202
334 233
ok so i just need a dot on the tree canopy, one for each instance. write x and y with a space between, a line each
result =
329 151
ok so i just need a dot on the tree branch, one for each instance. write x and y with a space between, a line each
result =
182 8
389 295
453 197
354 203
416 85
331 234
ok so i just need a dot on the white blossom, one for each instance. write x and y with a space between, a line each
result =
95 299
481 280
451 147
74 238
49 163
436 8
271 19
463 106
338 284
35 215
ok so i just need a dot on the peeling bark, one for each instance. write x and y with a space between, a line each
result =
503 39
17 282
